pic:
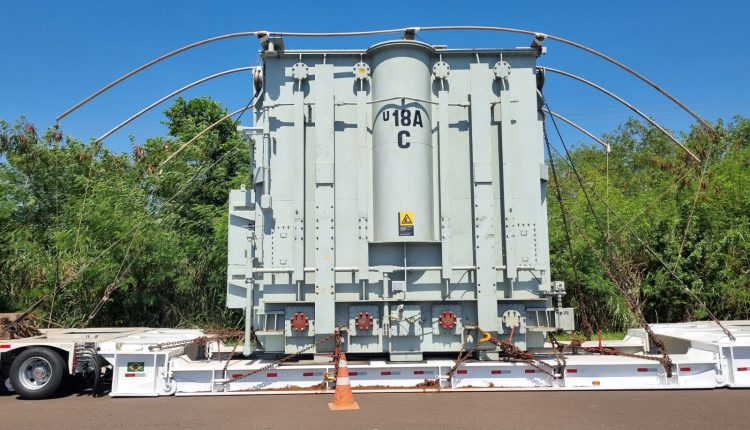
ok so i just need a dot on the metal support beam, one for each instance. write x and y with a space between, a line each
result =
298 257
445 197
325 291
484 228
363 187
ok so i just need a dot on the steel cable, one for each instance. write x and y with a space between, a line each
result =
585 194
630 106
671 272
169 96
615 274
585 323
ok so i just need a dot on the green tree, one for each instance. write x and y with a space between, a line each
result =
151 236
693 218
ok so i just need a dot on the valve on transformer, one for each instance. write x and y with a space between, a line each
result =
558 292
363 321
447 320
299 321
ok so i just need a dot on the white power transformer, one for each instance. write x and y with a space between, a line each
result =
399 194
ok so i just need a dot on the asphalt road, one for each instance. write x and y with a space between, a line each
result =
663 410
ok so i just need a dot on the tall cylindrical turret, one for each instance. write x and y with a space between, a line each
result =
403 192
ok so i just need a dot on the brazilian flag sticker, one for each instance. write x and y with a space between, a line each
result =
136 366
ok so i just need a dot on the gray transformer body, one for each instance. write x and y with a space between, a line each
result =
398 194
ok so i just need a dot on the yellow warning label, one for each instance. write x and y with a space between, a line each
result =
406 223
406 219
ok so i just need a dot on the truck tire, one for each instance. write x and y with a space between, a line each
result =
36 373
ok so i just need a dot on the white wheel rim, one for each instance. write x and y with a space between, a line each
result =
35 373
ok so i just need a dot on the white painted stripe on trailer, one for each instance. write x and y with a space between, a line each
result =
423 390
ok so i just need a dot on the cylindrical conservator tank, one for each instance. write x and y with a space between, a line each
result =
403 197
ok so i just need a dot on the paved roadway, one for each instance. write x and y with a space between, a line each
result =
663 410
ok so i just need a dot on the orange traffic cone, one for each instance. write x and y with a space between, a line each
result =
342 398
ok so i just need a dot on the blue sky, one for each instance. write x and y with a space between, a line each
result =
54 53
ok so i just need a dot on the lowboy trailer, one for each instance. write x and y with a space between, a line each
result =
142 363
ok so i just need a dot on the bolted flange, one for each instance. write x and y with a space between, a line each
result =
363 321
447 320
300 321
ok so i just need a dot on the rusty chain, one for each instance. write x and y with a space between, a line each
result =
512 353
509 351
618 279
558 350
217 335
576 345
212 335
462 355
463 347
336 333
607 350
231 354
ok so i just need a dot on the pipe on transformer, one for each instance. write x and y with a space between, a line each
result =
169 96
606 145
151 63
538 39
630 106
204 131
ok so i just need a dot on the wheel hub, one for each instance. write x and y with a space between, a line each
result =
40 373
35 373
